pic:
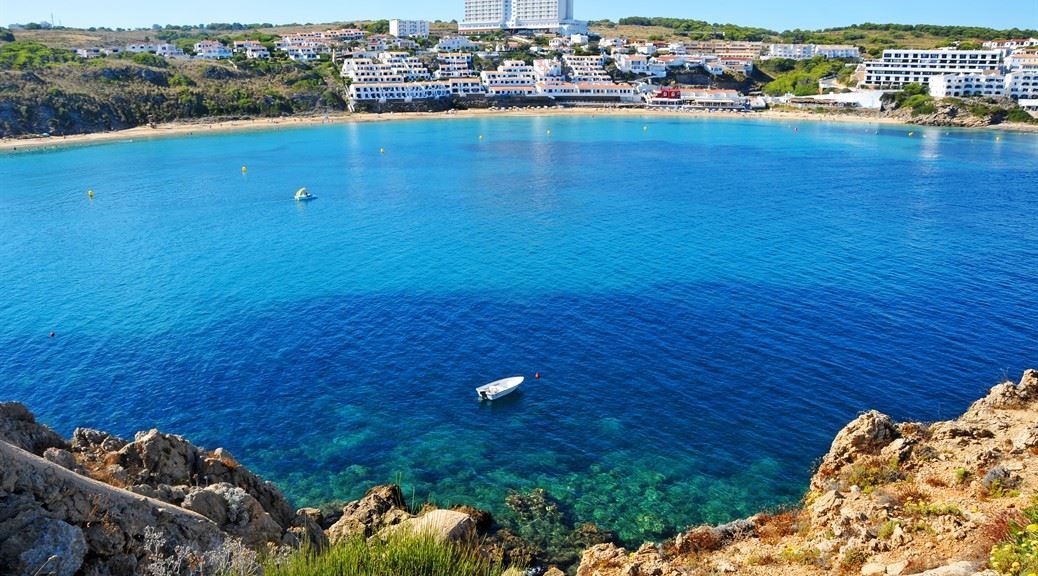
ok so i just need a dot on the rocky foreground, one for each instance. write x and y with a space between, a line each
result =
887 499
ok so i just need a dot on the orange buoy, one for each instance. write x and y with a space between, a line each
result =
537 375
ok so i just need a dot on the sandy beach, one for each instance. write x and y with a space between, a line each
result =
199 127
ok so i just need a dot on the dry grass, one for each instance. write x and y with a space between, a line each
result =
771 528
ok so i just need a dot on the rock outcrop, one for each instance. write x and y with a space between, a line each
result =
18 427
48 510
888 499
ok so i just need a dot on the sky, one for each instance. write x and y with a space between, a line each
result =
772 14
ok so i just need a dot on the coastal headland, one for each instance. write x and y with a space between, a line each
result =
941 499
200 127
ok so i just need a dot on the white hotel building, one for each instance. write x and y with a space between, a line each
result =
409 28
1018 85
899 67
548 15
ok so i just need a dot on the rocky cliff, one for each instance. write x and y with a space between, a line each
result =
887 499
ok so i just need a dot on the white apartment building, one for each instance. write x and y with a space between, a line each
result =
211 50
1022 84
838 51
368 71
405 65
611 44
510 73
257 53
454 44
454 65
1011 44
633 63
900 67
547 68
1021 60
1018 85
405 91
586 68
140 48
466 87
790 51
990 84
169 51
808 51
409 28
549 15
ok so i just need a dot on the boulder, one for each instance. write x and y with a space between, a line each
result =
1026 439
90 440
62 458
442 525
19 427
602 560
962 568
155 459
382 506
867 434
1008 395
109 521
33 543
307 529
236 512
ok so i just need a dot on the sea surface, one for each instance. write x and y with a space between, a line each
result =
707 301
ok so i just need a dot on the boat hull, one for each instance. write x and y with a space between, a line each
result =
499 388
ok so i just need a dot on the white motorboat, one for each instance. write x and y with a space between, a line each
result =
302 195
499 388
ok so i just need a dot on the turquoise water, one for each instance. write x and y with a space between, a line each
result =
708 301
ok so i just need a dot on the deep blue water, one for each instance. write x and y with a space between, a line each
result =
708 301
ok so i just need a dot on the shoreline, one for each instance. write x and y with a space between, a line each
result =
190 128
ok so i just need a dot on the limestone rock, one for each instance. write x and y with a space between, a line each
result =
62 458
963 568
236 512
1026 439
32 542
19 427
602 560
1008 395
90 440
873 569
443 525
554 571
307 529
155 459
867 434
382 506
107 521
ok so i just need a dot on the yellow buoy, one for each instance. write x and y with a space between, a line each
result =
244 170
998 138
549 132
480 136
911 133
90 193
381 150
645 128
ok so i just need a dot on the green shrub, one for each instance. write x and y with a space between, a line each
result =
802 556
21 55
870 473
1018 554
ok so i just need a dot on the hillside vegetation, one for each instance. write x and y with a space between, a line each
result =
48 90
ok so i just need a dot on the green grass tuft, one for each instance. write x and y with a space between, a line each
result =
399 555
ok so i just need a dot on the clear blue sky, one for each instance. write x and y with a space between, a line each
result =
774 14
